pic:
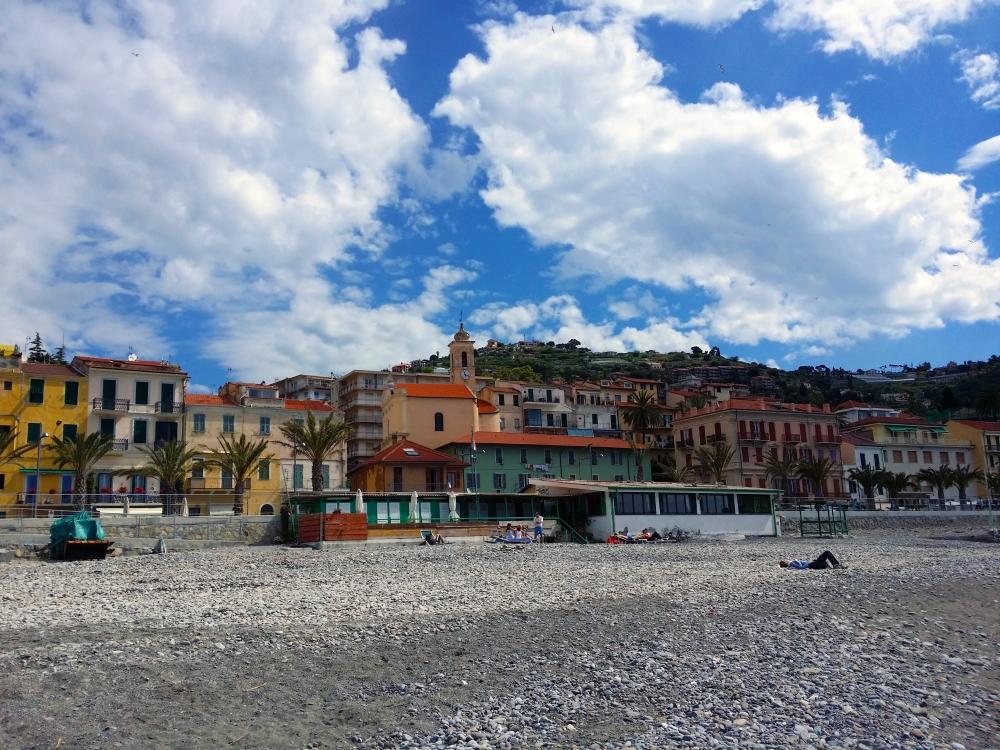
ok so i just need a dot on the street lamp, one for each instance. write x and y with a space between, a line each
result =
38 472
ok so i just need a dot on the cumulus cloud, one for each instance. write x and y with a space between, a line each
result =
164 157
982 73
792 220
983 153
884 30
559 318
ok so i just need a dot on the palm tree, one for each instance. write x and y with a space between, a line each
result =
240 457
963 476
940 479
815 472
780 470
643 413
988 403
668 471
7 439
694 402
81 454
895 483
316 440
869 479
169 463
639 453
714 461
993 487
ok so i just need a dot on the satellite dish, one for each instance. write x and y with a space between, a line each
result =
133 357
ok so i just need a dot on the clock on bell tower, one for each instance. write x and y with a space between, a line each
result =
463 358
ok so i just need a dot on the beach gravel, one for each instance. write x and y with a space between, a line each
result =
706 644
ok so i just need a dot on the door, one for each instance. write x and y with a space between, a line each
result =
166 398
66 488
433 479
30 487
109 392
166 432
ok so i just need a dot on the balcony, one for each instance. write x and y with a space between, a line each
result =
713 439
827 440
365 417
753 437
927 441
686 445
111 404
169 407
419 487
361 401
119 445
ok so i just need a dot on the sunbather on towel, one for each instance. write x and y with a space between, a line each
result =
820 563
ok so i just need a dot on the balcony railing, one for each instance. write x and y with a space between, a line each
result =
685 444
712 439
119 445
827 440
372 418
929 441
111 404
420 487
753 437
169 407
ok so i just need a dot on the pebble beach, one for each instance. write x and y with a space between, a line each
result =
704 644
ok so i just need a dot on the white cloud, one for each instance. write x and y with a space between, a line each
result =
212 156
882 29
560 319
983 153
198 388
982 73
794 222
772 364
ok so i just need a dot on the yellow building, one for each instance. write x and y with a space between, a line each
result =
409 467
434 415
984 437
254 410
38 402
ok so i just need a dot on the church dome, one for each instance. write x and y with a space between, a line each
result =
462 334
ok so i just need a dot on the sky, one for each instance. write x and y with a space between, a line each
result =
256 188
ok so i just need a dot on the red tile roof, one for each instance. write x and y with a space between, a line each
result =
566 441
433 390
978 425
485 407
396 454
56 371
297 405
207 399
855 405
144 365
857 439
902 419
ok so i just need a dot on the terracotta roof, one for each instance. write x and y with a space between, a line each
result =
302 405
144 365
855 405
485 407
857 440
642 380
503 389
58 371
397 454
684 393
207 399
252 385
758 404
433 390
978 425
568 441
904 420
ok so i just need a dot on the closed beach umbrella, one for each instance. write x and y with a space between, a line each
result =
125 505
414 507
184 507
452 507
359 501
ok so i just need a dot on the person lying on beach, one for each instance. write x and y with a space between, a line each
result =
820 563
430 540
655 536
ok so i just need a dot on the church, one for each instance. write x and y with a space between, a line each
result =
433 414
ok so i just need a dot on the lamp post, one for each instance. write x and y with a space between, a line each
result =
38 472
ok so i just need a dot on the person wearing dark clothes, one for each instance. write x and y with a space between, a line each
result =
825 560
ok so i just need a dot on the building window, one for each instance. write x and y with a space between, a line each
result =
503 423
701 435
550 420
524 455
875 458
71 396
616 458
500 399
465 359
472 481
928 457
745 454
548 456
498 455
228 423
197 422
439 422
635 503
36 392
593 457
594 478
326 476
677 505
523 481
959 457
8 385
141 392
533 417
571 457
499 481
107 428
614 421
517 423
593 419
565 420
198 468
897 457
297 477
531 395
34 432
139 428
714 505
69 432
517 400
911 457
619 477
944 458
265 425
227 479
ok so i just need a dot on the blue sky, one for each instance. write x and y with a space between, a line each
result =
257 190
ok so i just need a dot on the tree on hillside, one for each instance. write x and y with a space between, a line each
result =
317 440
81 454
939 479
988 403
948 399
240 457
713 462
868 479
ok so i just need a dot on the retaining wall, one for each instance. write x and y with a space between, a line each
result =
870 520
244 529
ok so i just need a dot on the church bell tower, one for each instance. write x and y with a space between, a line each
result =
463 358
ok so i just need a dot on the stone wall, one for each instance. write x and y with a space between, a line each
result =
246 529
888 520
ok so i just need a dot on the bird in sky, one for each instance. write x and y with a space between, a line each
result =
553 29
721 68
136 54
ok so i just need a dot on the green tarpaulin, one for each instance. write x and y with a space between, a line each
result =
79 526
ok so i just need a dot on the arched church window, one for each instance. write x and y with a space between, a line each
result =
465 359
439 422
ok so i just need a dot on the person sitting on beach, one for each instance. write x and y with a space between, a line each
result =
820 563
655 536
509 532
645 535
430 539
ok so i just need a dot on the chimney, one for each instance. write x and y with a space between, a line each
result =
826 408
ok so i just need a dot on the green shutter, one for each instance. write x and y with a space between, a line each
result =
72 394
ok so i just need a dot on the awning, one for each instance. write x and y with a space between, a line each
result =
900 428
46 471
